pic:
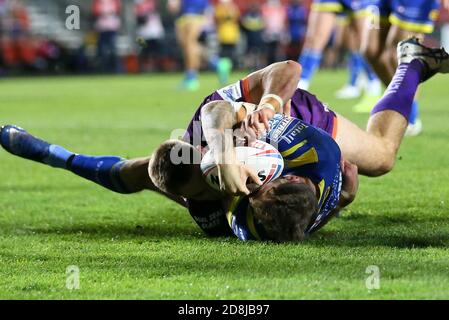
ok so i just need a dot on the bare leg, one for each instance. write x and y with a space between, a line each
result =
193 47
320 27
319 30
373 46
373 151
188 33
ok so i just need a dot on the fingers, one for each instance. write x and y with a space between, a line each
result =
265 122
250 174
254 122
259 122
239 186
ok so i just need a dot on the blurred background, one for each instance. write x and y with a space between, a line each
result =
140 36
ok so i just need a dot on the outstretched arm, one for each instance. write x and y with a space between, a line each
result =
271 89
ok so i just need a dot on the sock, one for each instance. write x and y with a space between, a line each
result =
58 157
191 75
415 113
310 61
354 65
402 89
213 62
104 171
368 70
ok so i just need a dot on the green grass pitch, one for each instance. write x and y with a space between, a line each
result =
144 247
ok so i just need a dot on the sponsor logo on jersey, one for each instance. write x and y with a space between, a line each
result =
290 137
231 93
279 124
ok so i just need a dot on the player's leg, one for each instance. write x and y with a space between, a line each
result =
374 151
193 51
319 29
373 31
417 20
396 35
111 172
356 65
367 38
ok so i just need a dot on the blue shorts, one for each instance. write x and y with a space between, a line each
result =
337 6
194 7
412 15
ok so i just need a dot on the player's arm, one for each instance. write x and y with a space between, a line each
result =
271 89
350 183
218 119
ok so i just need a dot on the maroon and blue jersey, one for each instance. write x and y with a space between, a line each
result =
304 106
307 152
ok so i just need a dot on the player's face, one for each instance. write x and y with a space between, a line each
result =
289 179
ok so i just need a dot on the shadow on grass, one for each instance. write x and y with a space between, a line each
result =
39 188
107 231
356 230
404 231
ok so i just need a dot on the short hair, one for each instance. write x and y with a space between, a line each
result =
166 174
286 211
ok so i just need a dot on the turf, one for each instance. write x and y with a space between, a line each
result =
144 247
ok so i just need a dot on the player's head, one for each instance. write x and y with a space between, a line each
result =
285 207
175 169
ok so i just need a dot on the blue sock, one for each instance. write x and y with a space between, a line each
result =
355 66
213 62
191 75
58 157
415 113
368 70
310 61
104 171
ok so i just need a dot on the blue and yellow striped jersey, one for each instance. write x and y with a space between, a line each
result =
308 152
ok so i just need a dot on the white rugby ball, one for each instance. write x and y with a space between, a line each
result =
263 158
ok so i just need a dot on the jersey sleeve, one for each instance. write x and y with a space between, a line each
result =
210 217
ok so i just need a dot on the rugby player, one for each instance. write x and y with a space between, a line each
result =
190 23
378 27
316 182
322 21
396 21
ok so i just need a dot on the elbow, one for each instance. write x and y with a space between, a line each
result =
216 111
293 71
382 168
385 167
294 66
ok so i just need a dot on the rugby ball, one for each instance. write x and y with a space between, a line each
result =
263 158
